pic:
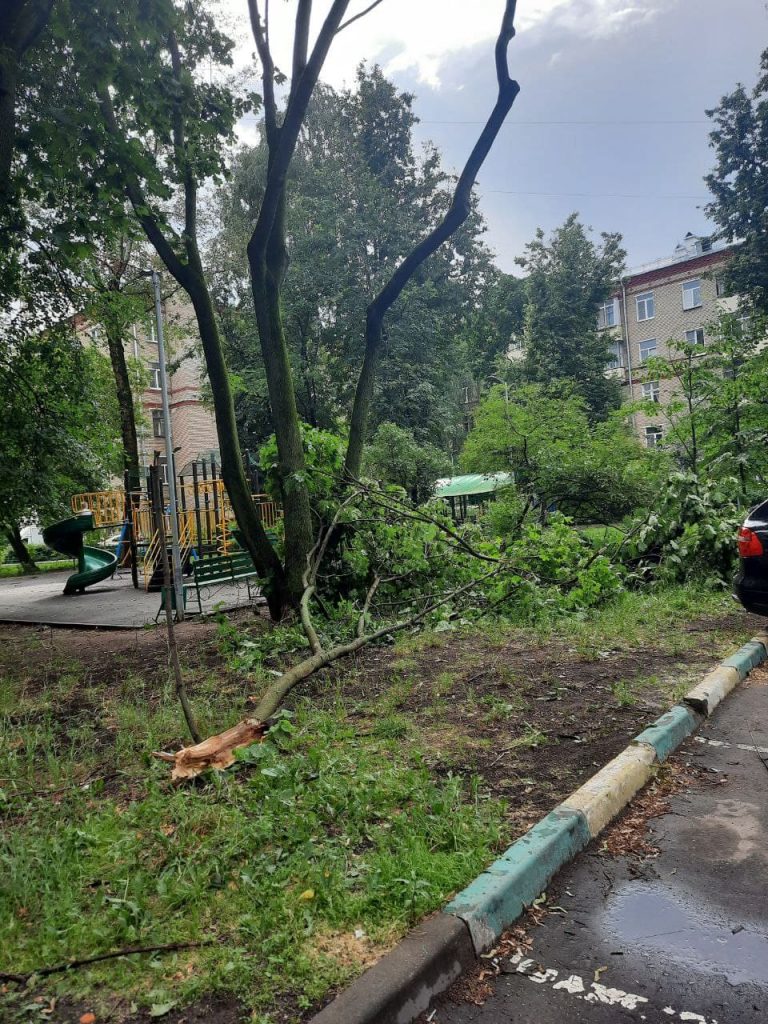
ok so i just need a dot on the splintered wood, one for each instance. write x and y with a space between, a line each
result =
217 752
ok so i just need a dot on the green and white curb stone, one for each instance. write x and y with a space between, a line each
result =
404 982
498 896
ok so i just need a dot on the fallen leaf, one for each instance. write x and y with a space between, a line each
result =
308 894
599 971
160 1009
88 1018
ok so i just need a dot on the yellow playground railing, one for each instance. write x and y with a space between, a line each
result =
107 507
206 514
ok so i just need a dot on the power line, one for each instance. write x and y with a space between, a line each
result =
511 122
514 121
594 195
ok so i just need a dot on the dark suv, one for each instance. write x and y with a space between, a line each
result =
751 585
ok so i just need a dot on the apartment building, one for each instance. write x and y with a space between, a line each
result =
673 299
192 423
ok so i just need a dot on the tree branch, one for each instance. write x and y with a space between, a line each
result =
457 213
138 201
267 71
357 17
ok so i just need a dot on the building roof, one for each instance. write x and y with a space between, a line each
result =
473 483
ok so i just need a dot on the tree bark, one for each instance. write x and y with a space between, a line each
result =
117 358
455 216
232 469
268 261
13 533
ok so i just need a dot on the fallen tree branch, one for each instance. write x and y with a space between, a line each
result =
217 752
44 972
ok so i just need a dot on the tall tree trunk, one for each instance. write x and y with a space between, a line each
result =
267 274
125 405
268 260
232 468
13 533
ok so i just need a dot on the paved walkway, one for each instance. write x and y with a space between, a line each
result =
680 938
113 603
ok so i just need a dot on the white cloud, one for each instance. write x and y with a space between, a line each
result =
420 36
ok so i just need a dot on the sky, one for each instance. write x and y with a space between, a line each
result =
610 120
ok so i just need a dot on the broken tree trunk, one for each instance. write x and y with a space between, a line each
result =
216 752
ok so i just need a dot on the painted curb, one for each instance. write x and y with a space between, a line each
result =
747 657
712 690
402 984
602 797
669 731
501 893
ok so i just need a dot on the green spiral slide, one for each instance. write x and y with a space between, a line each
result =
93 564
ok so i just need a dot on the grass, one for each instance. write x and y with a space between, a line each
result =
13 569
322 846
639 617
319 835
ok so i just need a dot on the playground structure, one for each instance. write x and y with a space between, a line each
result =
93 564
206 526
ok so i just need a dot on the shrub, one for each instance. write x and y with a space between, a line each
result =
692 532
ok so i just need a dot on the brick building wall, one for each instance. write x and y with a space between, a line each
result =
675 300
192 422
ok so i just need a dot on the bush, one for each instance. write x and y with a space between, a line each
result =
692 532
37 552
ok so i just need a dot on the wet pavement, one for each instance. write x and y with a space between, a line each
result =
114 603
680 937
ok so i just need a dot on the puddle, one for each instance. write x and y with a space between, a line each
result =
647 917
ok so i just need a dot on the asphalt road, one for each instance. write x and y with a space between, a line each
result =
112 603
683 937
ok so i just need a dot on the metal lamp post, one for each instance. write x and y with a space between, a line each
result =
178 583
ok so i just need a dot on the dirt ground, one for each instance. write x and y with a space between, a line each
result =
530 720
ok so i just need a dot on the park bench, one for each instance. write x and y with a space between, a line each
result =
217 571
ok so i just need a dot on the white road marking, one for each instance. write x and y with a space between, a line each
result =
738 746
594 992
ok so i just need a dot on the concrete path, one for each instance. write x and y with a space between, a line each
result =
113 603
683 937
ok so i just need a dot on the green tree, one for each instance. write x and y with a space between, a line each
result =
568 277
21 27
739 185
594 471
351 214
58 425
716 417
146 119
394 456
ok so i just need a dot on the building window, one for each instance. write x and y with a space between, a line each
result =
616 360
652 437
158 423
720 290
607 314
651 391
646 306
154 376
691 294
647 349
695 337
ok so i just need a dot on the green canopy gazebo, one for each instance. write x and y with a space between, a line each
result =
471 489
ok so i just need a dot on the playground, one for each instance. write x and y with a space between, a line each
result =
121 543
